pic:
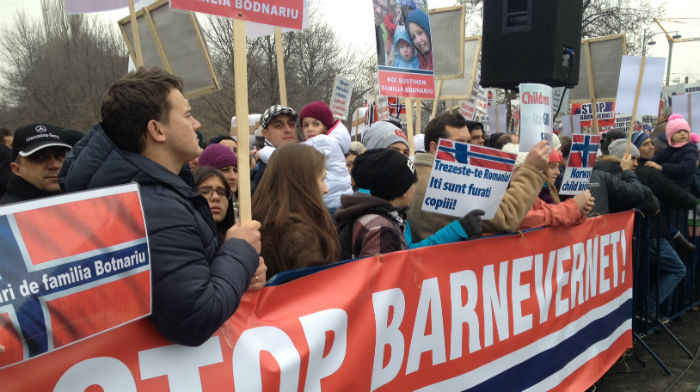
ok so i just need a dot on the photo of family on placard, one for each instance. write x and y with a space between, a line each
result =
403 38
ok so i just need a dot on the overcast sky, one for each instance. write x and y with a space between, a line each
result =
353 22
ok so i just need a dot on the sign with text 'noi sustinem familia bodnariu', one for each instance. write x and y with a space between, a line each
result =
283 13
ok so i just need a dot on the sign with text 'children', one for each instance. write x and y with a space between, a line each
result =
466 177
340 99
283 13
535 115
72 266
580 166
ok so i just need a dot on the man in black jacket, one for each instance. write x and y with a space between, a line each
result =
147 135
38 151
616 187
670 195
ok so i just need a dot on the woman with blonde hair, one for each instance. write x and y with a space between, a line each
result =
297 229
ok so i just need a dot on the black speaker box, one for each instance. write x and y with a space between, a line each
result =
531 41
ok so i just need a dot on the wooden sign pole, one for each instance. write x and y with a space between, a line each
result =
280 66
419 117
591 86
690 111
634 108
437 99
495 114
240 77
138 60
571 121
409 125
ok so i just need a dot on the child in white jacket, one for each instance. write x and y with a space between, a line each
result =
321 131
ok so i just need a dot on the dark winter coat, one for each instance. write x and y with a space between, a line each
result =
679 163
20 190
617 190
670 195
5 171
369 225
197 282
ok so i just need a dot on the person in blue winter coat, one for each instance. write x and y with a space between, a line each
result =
405 55
147 135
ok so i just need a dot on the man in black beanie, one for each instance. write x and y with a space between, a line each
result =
376 223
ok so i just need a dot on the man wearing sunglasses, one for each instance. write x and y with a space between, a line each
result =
38 151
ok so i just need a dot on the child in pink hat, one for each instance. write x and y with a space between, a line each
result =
679 160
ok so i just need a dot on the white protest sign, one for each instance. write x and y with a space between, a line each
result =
468 109
688 106
623 122
580 165
570 124
466 177
497 118
340 98
560 99
535 115
382 108
87 6
650 90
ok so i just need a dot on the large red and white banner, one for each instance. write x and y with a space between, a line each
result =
549 310
283 13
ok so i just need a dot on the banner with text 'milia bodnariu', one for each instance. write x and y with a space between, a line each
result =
549 310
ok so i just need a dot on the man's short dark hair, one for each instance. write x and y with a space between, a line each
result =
133 101
4 132
436 127
609 137
502 141
472 125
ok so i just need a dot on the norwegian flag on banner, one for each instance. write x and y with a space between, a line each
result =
583 150
465 177
72 266
470 154
396 109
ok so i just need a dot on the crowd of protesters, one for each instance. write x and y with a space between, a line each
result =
318 197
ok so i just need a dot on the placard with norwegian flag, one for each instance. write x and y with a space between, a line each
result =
72 266
467 177
580 166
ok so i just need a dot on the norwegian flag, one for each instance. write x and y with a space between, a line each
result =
395 108
70 271
583 150
470 154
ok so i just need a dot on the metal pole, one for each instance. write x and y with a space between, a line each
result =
644 43
668 66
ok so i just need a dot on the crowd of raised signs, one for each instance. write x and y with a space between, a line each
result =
319 197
